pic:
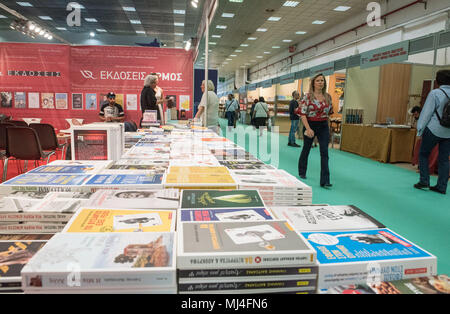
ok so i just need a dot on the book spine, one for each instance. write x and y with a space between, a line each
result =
246 260
98 280
246 272
10 285
31 228
35 217
247 285
215 280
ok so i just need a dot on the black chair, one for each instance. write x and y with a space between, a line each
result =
3 127
18 123
47 137
22 143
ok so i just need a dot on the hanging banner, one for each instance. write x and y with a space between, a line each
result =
325 69
123 69
34 67
391 54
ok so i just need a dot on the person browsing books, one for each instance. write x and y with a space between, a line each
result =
148 96
314 110
111 111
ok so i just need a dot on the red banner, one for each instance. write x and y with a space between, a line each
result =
54 82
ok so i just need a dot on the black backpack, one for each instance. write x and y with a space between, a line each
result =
445 118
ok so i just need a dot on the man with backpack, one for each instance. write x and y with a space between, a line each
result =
434 128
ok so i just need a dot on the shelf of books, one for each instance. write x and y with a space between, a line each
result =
185 211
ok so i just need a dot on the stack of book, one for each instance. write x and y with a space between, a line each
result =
367 256
122 262
39 212
14 255
244 257
277 187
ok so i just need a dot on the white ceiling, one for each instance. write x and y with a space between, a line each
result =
251 15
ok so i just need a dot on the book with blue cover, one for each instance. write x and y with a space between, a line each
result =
365 256
120 180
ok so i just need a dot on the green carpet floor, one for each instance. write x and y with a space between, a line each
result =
384 191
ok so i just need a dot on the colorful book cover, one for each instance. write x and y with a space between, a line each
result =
14 255
241 244
138 199
47 101
124 179
61 101
327 218
362 256
226 215
91 101
121 220
20 100
61 169
39 179
77 261
191 199
176 179
245 165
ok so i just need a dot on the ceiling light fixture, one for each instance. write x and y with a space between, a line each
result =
342 8
274 18
291 4
229 15
187 45
318 22
92 34
194 4
261 30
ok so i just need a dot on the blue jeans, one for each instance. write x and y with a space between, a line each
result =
230 116
322 132
294 128
429 140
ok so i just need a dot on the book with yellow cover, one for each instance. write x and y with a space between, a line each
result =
121 220
199 170
199 179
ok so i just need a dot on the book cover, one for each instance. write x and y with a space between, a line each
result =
62 169
77 101
39 179
61 101
241 244
327 218
80 261
278 179
245 165
14 255
137 199
47 101
191 199
91 101
33 101
20 100
124 179
121 220
132 100
201 179
226 215
6 99
362 256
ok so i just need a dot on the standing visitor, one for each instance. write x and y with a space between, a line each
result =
295 119
433 129
315 110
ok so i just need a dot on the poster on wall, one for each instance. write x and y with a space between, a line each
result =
20 100
131 102
103 99
33 100
119 100
6 99
61 101
47 101
185 102
91 101
77 101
